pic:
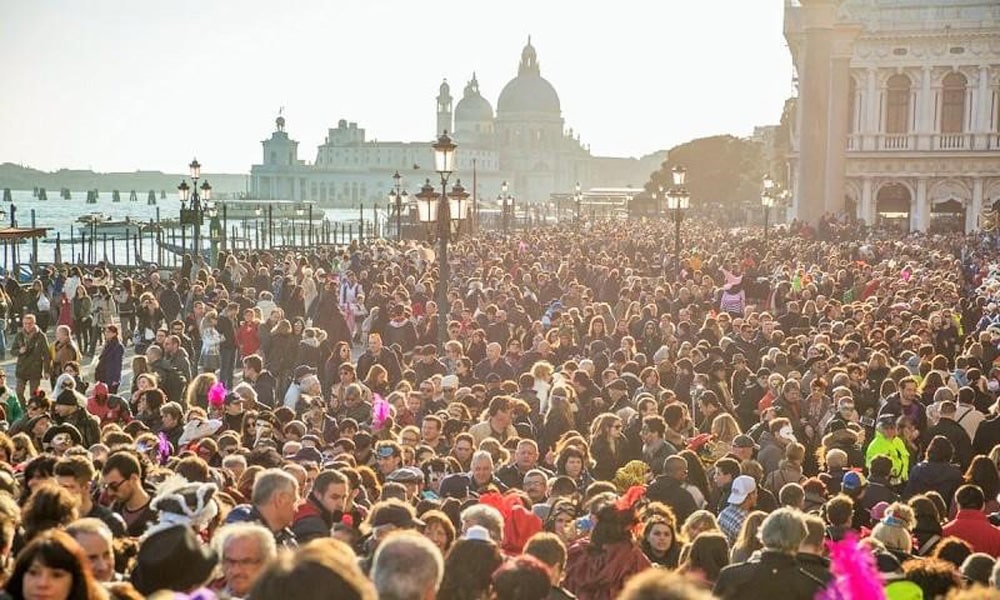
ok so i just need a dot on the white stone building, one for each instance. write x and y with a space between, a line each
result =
526 144
898 110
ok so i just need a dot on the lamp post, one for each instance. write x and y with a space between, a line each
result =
767 200
196 214
442 214
506 202
677 200
578 199
398 197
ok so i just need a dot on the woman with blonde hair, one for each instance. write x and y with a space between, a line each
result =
196 393
724 430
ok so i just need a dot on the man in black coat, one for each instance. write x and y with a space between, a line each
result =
778 573
669 488
956 434
377 354
987 435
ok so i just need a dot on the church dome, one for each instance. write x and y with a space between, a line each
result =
472 106
529 92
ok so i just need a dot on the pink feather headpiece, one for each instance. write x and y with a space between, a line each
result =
380 411
217 395
855 574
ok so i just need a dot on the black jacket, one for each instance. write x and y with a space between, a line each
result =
774 575
669 491
987 436
958 437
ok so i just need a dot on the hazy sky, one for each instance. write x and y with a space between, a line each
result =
120 85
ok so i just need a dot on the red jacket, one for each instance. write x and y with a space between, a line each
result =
972 526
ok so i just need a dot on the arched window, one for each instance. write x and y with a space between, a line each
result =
897 102
953 103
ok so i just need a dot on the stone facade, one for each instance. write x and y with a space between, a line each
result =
898 110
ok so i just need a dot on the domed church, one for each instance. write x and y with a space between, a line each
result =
526 144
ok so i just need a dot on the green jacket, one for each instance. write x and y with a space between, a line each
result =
12 405
896 450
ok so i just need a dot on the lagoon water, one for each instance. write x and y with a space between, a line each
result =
61 216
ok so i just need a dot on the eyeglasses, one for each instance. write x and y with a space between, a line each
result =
113 486
242 562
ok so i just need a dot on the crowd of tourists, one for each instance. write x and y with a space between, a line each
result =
606 419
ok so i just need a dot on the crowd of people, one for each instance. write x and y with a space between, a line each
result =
605 419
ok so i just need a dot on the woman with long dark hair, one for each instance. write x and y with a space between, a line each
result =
53 567
661 542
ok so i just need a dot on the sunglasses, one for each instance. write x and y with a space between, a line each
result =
113 485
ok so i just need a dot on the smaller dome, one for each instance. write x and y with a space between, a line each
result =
472 106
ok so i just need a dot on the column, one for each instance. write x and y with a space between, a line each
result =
838 122
975 208
870 124
925 111
814 104
981 109
867 201
920 215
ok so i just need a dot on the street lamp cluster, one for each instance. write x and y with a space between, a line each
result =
442 214
506 202
398 197
196 214
578 200
676 200
771 196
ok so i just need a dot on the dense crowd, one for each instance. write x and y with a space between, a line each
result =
606 419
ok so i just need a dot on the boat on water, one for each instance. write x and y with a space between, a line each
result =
104 225
295 210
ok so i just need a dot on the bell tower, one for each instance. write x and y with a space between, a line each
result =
444 112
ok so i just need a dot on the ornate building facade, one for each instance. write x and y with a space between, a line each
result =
525 144
898 111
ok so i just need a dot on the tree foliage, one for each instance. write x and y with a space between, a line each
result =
721 169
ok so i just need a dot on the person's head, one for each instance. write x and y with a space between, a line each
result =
97 542
522 578
792 495
121 476
323 568
815 536
550 549
276 496
657 584
75 473
535 485
50 506
659 531
783 531
970 497
894 528
726 470
331 489
708 555
934 576
675 467
839 510
526 454
482 467
940 450
54 566
407 566
439 529
483 516
469 567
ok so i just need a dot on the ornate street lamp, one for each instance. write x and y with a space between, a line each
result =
195 214
506 202
676 202
397 198
442 214
767 201
578 199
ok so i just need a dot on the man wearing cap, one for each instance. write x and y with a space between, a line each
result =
743 448
388 458
888 443
411 478
742 500
69 410
669 488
